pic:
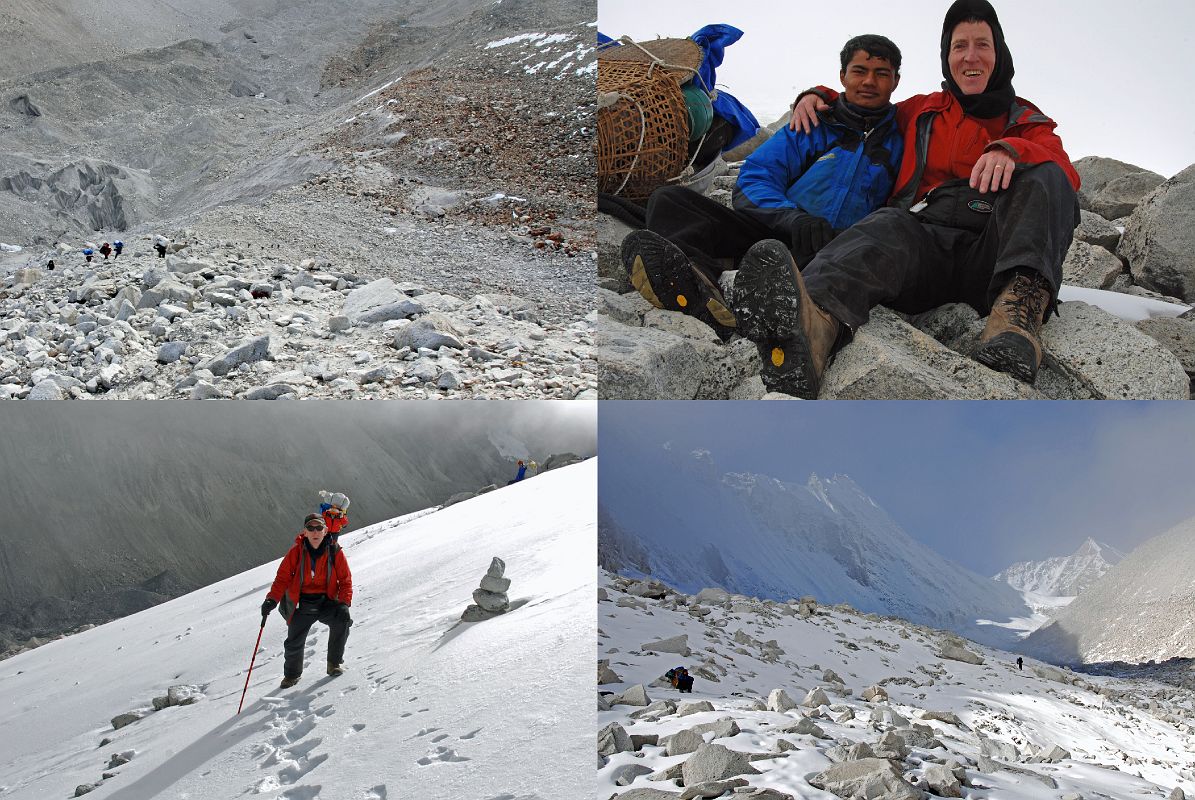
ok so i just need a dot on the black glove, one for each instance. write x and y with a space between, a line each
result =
267 606
809 234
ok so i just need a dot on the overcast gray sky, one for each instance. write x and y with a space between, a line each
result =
1114 76
983 483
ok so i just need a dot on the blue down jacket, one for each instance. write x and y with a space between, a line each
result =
839 172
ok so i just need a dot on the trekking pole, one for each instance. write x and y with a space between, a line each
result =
255 646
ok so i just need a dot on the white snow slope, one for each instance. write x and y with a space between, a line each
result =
429 706
1126 739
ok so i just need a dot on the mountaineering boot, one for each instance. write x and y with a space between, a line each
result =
1010 341
289 682
794 336
661 272
335 669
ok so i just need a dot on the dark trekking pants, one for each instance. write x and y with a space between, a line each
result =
313 608
713 236
894 258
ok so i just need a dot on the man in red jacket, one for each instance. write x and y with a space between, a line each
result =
313 584
983 213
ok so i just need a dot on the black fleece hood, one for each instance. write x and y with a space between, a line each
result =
999 94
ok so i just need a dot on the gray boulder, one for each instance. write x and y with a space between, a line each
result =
1159 239
634 696
648 794
1095 230
626 774
683 742
714 762
1176 334
891 359
129 717
613 739
942 781
1109 358
373 295
957 652
867 777
247 352
778 700
432 331
1090 266
645 364
676 644
1113 188
1050 755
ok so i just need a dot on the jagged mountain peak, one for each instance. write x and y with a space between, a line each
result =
1063 576
1091 547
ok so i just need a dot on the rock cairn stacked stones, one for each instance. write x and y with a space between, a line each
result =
489 600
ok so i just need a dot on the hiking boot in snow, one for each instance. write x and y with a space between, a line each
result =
1011 339
335 669
794 336
662 273
289 682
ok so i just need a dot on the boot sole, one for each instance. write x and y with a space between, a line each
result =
660 271
1010 353
767 306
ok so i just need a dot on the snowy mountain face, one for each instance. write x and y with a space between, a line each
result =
1142 609
1066 576
760 536
811 701
429 706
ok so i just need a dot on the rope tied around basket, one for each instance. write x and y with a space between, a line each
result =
642 121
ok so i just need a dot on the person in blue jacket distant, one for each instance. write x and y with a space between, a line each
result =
802 189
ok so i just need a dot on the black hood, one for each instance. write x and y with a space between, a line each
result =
999 94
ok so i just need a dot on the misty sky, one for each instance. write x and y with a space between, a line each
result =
983 483
1112 75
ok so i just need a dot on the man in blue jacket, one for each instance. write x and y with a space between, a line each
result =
801 189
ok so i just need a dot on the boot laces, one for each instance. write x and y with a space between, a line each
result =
1025 301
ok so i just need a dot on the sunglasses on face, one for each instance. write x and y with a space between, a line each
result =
314 528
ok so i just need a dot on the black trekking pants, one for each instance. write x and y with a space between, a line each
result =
893 258
313 608
713 236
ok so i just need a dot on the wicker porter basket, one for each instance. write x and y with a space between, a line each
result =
643 128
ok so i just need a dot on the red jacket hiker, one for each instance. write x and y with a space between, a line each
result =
942 143
297 575
336 520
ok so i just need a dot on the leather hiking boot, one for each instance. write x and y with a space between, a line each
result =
289 682
335 669
794 336
662 273
1011 339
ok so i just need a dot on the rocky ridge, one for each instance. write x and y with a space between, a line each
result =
228 319
1090 353
785 702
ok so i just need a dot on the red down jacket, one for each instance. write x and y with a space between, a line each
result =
297 575
943 143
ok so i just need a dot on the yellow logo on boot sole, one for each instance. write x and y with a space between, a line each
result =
777 356
642 284
681 300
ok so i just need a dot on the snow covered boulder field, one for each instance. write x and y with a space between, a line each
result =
839 704
429 706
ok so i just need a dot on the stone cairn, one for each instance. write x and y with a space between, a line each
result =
489 600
